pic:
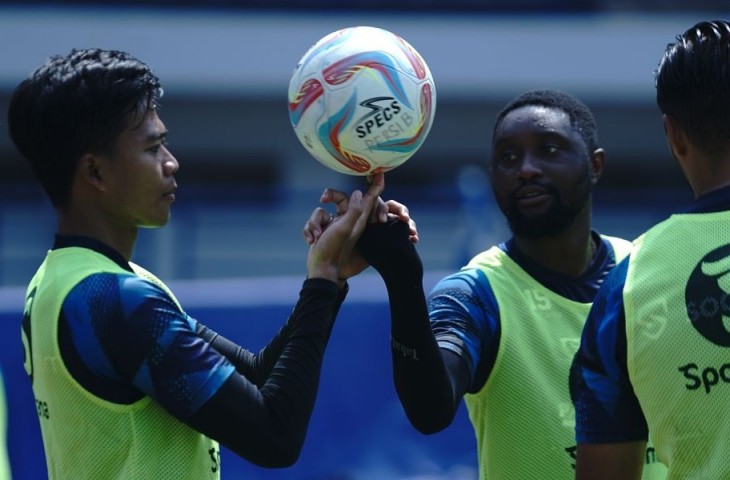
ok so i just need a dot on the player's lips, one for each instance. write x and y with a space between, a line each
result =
170 194
532 195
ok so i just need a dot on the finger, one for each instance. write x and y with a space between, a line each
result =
399 210
348 219
379 213
372 196
311 232
330 195
367 202
412 231
358 208
315 225
375 188
365 206
340 199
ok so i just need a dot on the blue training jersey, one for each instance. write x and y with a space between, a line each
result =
465 316
123 337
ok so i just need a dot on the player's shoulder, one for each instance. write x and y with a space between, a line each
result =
469 279
492 257
468 272
123 283
615 240
125 287
620 247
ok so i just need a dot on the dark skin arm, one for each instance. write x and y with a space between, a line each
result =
610 461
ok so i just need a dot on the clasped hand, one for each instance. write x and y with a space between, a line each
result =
332 237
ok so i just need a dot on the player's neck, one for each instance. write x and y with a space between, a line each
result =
569 252
704 179
120 238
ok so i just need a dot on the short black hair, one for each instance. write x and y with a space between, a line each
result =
693 85
581 117
76 104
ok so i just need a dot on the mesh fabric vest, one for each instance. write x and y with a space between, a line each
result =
677 303
84 436
523 416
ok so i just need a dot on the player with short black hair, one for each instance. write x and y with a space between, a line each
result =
501 332
653 360
126 384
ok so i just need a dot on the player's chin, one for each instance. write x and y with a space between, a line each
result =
518 214
156 221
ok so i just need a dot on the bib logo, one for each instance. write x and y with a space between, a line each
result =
707 296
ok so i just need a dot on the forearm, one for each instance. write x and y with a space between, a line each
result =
257 367
429 389
267 425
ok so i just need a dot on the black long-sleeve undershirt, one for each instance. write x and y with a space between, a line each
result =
263 410
430 381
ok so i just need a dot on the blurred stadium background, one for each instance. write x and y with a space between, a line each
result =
233 250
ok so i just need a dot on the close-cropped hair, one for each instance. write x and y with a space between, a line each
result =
581 117
76 104
693 85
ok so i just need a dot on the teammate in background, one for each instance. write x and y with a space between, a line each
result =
656 345
119 371
502 331
4 461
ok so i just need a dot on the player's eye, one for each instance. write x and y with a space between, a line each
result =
507 157
154 149
550 149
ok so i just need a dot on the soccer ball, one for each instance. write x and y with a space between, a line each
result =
362 100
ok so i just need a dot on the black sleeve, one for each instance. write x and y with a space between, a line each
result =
262 411
257 367
430 382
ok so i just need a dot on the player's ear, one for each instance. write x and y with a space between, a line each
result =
90 170
597 161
